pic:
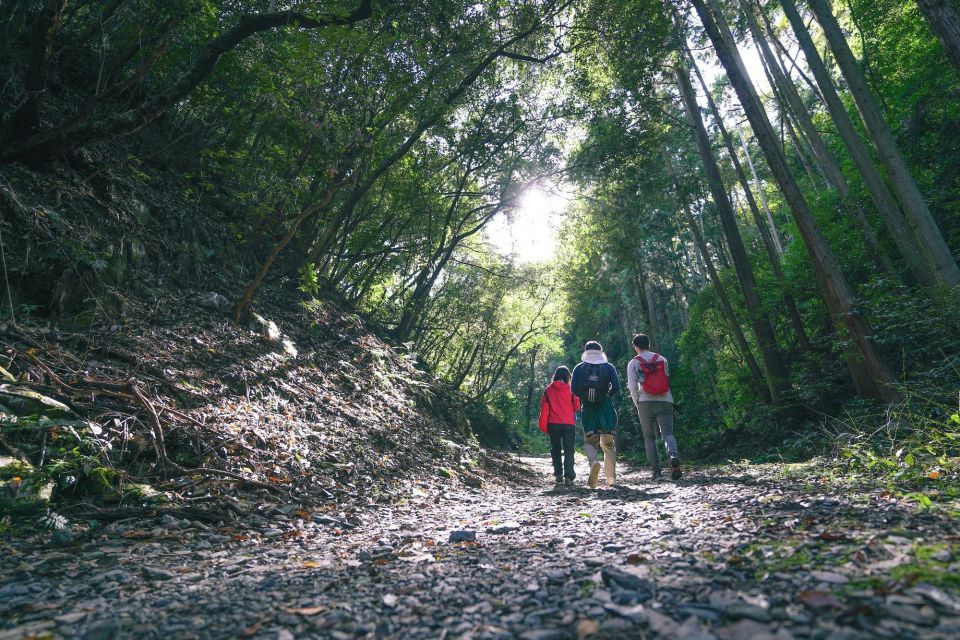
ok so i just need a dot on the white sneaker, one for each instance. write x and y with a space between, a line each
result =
594 481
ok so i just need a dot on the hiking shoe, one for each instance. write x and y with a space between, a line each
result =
675 472
657 474
594 481
568 482
558 482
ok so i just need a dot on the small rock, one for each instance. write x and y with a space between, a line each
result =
943 555
830 576
462 536
213 300
915 615
506 527
153 573
740 610
62 536
753 630
625 579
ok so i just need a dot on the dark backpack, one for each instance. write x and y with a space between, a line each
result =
655 379
594 383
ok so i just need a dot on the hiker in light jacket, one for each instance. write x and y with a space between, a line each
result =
648 379
595 382
558 408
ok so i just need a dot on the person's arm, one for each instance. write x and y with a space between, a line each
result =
544 418
614 380
573 379
633 380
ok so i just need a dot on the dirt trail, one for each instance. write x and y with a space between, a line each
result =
725 553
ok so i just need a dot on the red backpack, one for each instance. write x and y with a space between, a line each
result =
655 379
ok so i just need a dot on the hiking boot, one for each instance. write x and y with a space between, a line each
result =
568 482
594 480
558 482
675 472
657 474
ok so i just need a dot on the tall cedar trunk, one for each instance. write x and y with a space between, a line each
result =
774 232
944 19
834 288
766 236
882 198
932 246
776 370
725 307
793 103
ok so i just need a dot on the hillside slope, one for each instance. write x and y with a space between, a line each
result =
117 283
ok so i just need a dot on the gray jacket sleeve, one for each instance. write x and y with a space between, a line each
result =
633 379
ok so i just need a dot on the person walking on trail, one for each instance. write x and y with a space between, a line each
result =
558 408
648 379
595 382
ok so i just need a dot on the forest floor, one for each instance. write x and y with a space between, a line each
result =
766 551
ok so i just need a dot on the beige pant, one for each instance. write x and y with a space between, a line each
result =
608 443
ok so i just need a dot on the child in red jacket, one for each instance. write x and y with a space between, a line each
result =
558 407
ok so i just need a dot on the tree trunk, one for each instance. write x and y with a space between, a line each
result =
774 232
882 198
934 249
777 374
725 306
826 163
833 285
770 241
944 19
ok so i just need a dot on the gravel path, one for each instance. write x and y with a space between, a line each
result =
724 553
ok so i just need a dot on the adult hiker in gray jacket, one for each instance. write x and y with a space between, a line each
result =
648 379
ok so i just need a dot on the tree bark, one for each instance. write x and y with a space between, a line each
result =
774 232
777 375
834 287
886 205
944 19
725 306
934 250
828 166
770 240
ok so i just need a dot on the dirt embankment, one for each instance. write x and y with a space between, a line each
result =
127 389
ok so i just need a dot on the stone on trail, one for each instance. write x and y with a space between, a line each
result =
754 631
830 576
462 536
625 579
739 610
504 527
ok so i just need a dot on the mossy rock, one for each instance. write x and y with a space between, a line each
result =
143 493
24 402
104 483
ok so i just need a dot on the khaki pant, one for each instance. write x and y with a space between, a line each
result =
608 443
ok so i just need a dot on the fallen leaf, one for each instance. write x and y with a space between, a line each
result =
933 475
634 558
312 564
